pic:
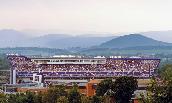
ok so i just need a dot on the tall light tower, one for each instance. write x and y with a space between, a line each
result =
13 76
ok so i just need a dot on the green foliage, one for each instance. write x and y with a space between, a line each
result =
38 98
3 98
104 86
74 95
27 97
54 93
96 99
30 97
121 89
85 99
34 51
160 89
4 64
62 99
158 93
166 72
124 88
131 51
17 98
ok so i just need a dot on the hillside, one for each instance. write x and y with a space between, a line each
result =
147 50
34 51
132 40
10 38
12 35
159 35
65 41
13 38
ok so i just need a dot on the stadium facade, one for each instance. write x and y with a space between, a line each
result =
49 69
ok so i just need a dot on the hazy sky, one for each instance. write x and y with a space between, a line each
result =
86 16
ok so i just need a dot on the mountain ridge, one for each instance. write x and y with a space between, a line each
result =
13 38
133 40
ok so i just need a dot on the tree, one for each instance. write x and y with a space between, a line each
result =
38 98
30 97
85 99
163 85
96 99
109 96
160 89
62 99
18 98
4 64
166 72
158 93
53 93
121 89
74 95
11 98
104 86
124 88
3 98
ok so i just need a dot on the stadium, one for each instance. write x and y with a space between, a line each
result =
79 69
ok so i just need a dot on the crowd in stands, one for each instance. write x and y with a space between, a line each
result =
22 63
112 67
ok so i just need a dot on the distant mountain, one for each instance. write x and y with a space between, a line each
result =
43 41
9 37
13 38
159 35
133 40
78 41
65 41
145 50
12 41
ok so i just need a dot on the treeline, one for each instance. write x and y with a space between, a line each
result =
33 51
160 88
148 50
4 64
107 91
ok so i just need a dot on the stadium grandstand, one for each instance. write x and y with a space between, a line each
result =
77 67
